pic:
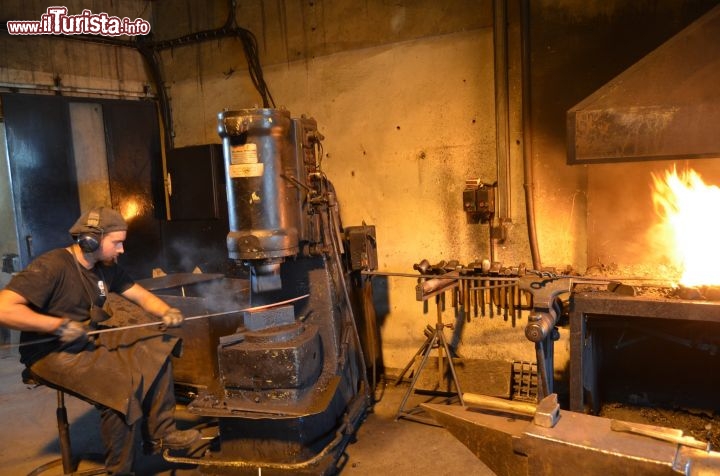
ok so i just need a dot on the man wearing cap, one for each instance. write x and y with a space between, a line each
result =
127 374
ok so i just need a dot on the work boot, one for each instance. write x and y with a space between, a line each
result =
179 439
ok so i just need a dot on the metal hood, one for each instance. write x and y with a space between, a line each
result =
665 106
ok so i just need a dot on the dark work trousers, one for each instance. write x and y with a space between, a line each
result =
158 420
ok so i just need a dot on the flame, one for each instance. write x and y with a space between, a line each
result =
685 203
130 208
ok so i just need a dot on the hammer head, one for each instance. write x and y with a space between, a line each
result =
548 412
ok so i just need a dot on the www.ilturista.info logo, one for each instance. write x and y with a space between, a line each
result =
57 22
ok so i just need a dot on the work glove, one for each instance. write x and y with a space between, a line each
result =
70 331
173 317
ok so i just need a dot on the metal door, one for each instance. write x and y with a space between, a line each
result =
42 172
136 180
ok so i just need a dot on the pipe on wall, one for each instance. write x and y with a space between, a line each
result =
56 89
502 114
527 135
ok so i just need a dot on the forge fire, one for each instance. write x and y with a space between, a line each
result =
683 201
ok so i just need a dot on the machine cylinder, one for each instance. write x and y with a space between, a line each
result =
539 325
263 206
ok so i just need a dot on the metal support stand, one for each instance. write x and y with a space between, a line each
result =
64 434
434 340
66 460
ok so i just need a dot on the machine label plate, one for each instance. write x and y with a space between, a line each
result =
244 154
246 170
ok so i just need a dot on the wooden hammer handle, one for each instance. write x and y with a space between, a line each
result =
500 404
670 435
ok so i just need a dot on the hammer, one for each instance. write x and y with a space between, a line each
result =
545 414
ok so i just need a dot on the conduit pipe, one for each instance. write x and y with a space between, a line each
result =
502 115
527 135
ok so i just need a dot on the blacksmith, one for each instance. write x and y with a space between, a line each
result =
127 374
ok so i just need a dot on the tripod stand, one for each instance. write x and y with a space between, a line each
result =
435 339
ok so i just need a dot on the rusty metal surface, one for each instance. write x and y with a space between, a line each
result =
177 280
488 435
664 106
291 362
606 303
577 444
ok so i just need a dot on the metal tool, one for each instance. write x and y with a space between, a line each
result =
159 323
540 328
544 414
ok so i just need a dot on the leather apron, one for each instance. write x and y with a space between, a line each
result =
111 369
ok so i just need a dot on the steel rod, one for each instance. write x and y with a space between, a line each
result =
157 323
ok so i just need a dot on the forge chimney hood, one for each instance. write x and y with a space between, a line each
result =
665 106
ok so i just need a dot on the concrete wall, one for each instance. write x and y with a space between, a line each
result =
404 94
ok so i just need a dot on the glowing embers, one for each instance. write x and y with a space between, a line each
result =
686 205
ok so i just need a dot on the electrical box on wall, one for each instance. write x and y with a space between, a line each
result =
195 183
478 201
362 247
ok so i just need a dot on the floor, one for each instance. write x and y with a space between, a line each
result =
383 445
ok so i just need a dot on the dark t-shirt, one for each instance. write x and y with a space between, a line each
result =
56 285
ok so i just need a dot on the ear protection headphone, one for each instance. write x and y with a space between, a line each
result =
89 241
